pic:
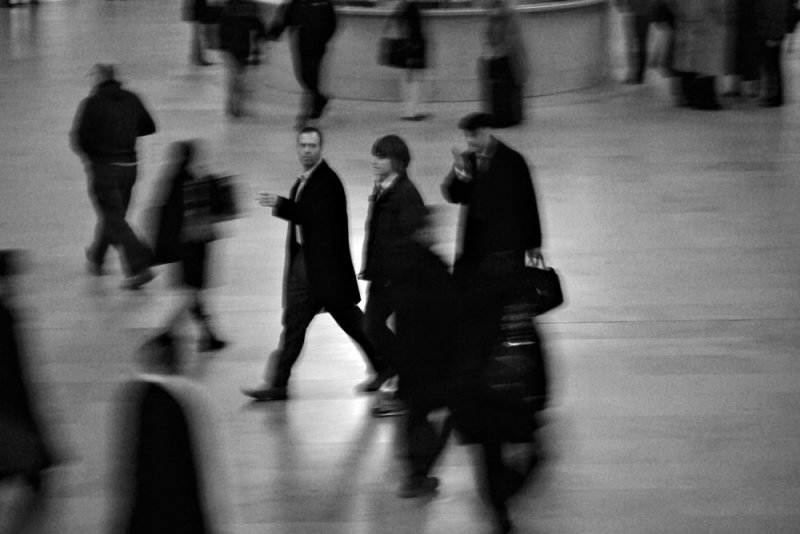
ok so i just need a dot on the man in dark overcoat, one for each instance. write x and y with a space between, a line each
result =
319 270
493 184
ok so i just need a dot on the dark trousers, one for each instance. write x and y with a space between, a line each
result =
501 480
638 34
309 74
301 307
376 314
110 188
772 74
424 441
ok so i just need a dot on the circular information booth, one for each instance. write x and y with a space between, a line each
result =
566 43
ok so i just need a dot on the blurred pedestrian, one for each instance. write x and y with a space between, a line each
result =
408 20
771 24
312 24
185 231
500 231
396 212
636 18
319 273
105 130
240 30
25 449
197 13
504 66
169 474
699 51
742 67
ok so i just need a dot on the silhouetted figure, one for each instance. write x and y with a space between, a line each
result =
318 272
185 231
25 451
240 26
105 131
425 300
168 476
742 64
396 212
312 24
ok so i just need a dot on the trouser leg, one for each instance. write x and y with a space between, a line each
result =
771 73
111 187
301 307
377 312
351 319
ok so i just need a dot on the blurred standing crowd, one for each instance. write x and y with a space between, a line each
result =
711 46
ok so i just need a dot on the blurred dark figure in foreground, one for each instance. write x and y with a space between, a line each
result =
25 453
167 476
241 30
312 24
106 127
636 18
500 232
185 230
426 305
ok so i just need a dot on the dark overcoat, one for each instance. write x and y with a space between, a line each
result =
499 210
321 213
393 217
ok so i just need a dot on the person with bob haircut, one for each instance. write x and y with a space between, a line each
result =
396 212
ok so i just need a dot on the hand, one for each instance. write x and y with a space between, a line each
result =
534 257
458 157
267 200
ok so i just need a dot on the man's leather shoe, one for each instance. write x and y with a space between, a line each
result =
266 393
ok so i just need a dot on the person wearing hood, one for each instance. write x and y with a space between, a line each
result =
106 127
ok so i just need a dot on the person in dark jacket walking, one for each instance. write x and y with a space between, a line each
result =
186 228
396 212
239 27
312 24
500 232
105 130
319 273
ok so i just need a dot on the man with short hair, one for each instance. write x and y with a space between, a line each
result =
318 270
105 130
493 184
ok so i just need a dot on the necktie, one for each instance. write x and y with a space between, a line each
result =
301 181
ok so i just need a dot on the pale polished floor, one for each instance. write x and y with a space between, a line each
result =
675 360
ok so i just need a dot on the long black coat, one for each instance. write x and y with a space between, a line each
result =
393 218
321 213
499 211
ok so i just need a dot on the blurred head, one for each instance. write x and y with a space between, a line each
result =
103 72
309 146
390 155
476 129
